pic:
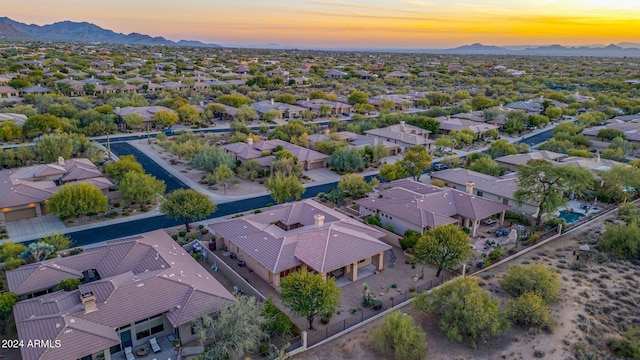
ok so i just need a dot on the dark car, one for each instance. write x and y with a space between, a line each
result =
169 132
438 167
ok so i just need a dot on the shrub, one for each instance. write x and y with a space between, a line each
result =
144 208
530 309
279 322
466 230
373 220
174 236
325 320
516 217
409 240
76 251
629 345
399 338
553 223
536 278
200 226
196 256
112 214
257 211
13 263
116 205
495 255
68 284
264 349
182 233
622 240
126 213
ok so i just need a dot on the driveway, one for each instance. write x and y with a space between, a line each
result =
27 229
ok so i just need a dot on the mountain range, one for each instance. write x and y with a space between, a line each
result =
87 32
81 32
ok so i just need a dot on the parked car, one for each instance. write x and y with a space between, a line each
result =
169 132
438 167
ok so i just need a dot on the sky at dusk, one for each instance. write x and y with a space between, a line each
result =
351 23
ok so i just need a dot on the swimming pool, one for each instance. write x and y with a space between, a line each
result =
570 217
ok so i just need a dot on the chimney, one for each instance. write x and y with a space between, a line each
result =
319 219
272 101
250 140
597 157
89 302
201 103
470 185
60 161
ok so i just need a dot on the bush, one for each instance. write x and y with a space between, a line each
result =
144 208
76 251
495 255
466 230
13 263
182 233
373 220
68 284
126 213
399 338
264 349
629 345
196 256
112 214
516 217
325 320
174 236
530 309
116 205
279 322
622 240
553 223
536 278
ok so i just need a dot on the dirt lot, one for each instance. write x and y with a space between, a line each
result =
598 303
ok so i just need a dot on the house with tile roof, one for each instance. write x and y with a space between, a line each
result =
7 92
404 135
410 205
355 140
301 235
286 111
309 159
25 191
500 189
146 112
337 108
131 289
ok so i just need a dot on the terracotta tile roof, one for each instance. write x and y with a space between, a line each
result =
429 206
277 249
141 277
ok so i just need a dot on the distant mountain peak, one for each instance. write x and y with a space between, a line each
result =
68 30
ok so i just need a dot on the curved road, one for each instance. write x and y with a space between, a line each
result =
108 232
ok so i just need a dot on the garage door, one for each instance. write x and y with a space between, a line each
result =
314 165
20 214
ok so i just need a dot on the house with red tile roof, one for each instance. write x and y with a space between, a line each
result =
301 235
131 290
410 205
25 191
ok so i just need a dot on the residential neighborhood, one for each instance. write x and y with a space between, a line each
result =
185 201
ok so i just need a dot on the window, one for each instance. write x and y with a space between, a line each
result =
480 193
149 326
505 201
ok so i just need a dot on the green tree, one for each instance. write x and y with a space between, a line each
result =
224 176
358 97
134 121
69 284
211 157
501 148
452 162
393 171
445 247
355 185
9 130
74 199
531 310
250 169
140 188
284 187
11 250
116 170
347 159
271 115
465 310
534 278
542 183
399 338
277 321
52 146
445 142
187 205
7 300
37 251
59 241
165 118
246 113
235 331
286 99
308 295
481 102
622 240
236 100
553 112
487 165
416 161
610 134
42 124
189 114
